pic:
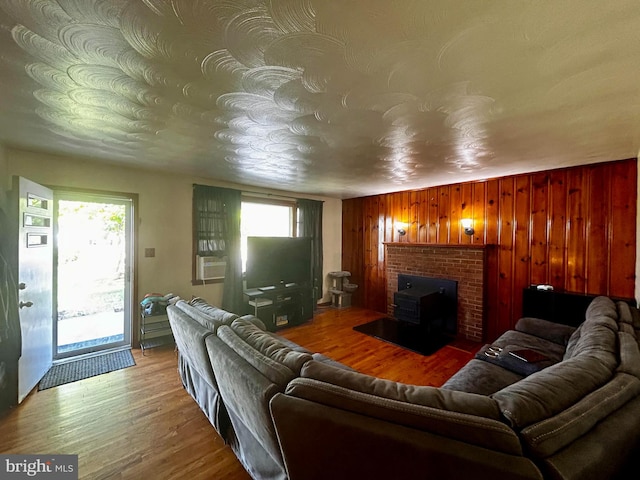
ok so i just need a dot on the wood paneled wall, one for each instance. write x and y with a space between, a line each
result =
573 228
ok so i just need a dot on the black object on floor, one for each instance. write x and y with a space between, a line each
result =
406 335
87 367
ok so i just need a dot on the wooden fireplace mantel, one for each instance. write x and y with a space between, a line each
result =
441 245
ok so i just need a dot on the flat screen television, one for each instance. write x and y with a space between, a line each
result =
278 261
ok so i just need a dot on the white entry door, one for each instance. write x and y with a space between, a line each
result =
33 204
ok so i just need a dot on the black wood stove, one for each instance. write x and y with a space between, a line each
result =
428 302
425 315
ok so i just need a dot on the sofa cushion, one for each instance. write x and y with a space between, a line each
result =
415 394
190 339
602 309
275 371
601 315
573 340
629 354
624 312
288 343
610 450
552 331
549 436
635 318
255 320
505 360
552 390
514 340
629 319
627 328
207 321
211 311
246 380
597 340
270 345
318 357
414 411
481 377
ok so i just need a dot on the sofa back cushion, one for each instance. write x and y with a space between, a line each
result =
597 341
603 309
553 434
251 366
206 321
212 311
255 320
462 416
245 382
451 400
629 319
552 390
190 339
624 312
275 371
270 345
597 335
629 352
635 318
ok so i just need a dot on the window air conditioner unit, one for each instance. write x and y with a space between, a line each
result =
210 268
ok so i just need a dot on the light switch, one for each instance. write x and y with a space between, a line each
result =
149 252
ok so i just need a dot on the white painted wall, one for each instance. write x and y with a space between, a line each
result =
164 215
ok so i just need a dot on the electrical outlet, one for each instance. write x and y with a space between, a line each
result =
149 252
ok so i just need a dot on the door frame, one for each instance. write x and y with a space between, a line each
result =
131 233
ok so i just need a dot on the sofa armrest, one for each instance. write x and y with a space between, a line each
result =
552 331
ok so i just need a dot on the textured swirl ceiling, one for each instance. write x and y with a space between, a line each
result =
334 97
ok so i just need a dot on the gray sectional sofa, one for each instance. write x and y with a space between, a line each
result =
289 413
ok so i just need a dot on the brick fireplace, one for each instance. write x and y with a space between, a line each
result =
466 264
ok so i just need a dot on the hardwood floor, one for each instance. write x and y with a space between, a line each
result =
140 423
331 333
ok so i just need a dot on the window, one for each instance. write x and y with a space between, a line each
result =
223 219
265 218
210 221
216 233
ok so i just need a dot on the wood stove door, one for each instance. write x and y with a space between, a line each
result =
406 308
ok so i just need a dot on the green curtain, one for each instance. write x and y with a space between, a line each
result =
217 213
310 225
233 292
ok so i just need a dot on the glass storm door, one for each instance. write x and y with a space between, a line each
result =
92 301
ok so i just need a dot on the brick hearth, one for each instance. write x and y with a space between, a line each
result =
464 263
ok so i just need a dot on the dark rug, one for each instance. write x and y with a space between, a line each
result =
87 367
405 335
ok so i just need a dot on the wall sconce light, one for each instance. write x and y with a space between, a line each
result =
467 224
402 231
401 228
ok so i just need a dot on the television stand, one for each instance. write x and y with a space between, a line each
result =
281 306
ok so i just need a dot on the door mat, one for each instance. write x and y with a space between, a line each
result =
87 367
405 335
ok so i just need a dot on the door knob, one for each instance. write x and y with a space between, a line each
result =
22 286
25 304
